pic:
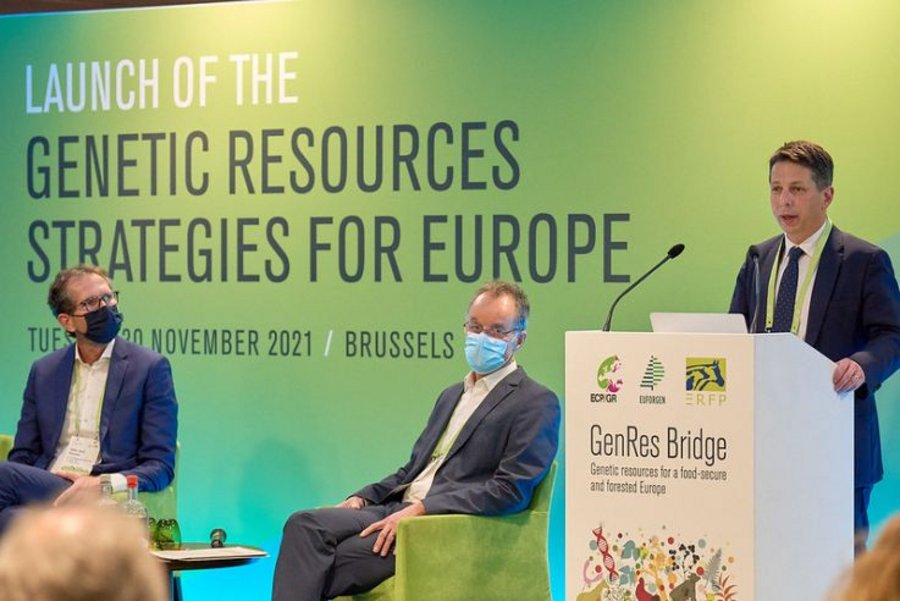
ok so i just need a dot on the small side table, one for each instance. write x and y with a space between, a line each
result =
200 556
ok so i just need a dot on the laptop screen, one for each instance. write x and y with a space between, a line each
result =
699 323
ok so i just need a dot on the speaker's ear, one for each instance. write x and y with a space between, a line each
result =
65 320
520 339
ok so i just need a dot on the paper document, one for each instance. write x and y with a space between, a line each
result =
210 553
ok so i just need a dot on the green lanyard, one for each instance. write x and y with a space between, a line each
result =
804 288
443 446
78 385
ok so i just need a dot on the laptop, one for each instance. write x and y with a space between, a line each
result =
699 323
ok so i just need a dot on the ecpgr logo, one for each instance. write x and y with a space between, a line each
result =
653 375
705 381
609 379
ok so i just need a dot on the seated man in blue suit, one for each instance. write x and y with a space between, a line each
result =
833 290
101 407
489 441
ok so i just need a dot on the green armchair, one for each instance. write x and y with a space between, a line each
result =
161 505
6 443
465 557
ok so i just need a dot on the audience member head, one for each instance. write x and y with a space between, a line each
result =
78 553
875 576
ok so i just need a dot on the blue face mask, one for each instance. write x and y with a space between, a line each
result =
485 354
103 324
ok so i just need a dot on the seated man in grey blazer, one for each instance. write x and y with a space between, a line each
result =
489 441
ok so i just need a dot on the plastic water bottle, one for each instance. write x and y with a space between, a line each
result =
132 507
106 492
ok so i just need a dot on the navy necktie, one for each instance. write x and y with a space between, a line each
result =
787 293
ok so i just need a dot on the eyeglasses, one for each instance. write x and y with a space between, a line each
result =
492 331
93 303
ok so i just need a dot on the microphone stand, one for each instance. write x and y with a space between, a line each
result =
673 252
755 256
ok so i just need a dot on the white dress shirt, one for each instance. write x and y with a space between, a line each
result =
84 407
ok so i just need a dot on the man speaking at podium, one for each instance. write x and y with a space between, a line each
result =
833 290
489 441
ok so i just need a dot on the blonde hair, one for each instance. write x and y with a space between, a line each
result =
78 553
876 574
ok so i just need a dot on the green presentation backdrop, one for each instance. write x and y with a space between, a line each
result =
296 200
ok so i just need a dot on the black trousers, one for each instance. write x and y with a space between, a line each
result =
322 555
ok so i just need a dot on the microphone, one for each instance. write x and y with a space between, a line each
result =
754 256
673 252
217 538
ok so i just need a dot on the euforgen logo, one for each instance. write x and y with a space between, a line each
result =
705 381
653 375
609 380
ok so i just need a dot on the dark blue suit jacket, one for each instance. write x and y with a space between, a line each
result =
500 455
138 423
854 312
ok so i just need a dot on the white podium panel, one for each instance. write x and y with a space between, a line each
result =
704 466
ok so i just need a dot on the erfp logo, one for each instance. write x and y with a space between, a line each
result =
609 380
705 381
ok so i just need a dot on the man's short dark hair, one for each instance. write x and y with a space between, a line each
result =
498 288
58 297
808 154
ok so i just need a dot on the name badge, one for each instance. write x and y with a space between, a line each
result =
79 456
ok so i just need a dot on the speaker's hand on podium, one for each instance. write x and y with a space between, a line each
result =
848 375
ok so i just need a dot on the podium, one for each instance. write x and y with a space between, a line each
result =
704 466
